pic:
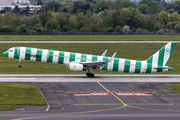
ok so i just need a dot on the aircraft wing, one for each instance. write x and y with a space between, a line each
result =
99 63
164 67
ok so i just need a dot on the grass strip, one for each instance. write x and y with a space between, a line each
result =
175 87
137 51
89 37
12 95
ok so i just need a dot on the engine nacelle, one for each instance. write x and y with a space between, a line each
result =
75 66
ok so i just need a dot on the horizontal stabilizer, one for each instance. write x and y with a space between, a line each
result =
104 53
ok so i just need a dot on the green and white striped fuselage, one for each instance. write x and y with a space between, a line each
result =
61 57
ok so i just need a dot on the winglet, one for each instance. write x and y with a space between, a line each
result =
112 58
104 53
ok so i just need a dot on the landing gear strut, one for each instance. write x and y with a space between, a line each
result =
89 74
19 63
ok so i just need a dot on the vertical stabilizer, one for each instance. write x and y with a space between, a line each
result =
160 58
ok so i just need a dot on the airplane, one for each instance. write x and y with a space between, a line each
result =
82 62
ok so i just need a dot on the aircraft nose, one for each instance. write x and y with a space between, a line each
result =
5 54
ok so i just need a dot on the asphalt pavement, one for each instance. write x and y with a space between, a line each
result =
100 98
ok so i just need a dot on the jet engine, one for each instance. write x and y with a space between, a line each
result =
75 66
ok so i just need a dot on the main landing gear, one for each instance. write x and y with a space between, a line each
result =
89 74
19 63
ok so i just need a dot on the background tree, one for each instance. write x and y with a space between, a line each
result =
27 11
125 4
147 2
107 18
110 4
150 23
32 21
125 15
7 19
39 2
145 9
21 28
174 17
16 9
170 11
163 18
155 8
52 25
101 6
72 23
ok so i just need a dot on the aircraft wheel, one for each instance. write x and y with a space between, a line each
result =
92 75
20 66
88 74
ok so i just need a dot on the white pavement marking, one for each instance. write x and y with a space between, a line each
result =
17 78
87 41
83 78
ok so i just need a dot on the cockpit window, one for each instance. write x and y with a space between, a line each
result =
10 50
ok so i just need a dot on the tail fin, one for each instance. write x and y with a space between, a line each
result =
160 58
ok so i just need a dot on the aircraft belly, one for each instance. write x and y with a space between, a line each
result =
110 65
55 56
78 57
33 53
121 65
132 66
22 53
66 58
44 55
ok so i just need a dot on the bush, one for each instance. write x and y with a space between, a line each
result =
37 28
171 25
6 29
126 29
177 27
145 31
160 32
139 31
110 29
156 27
118 29
94 29
102 29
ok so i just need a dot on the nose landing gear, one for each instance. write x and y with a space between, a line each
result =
19 63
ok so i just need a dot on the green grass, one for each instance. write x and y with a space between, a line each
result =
175 87
12 95
138 51
89 37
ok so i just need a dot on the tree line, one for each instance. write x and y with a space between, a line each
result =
95 16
